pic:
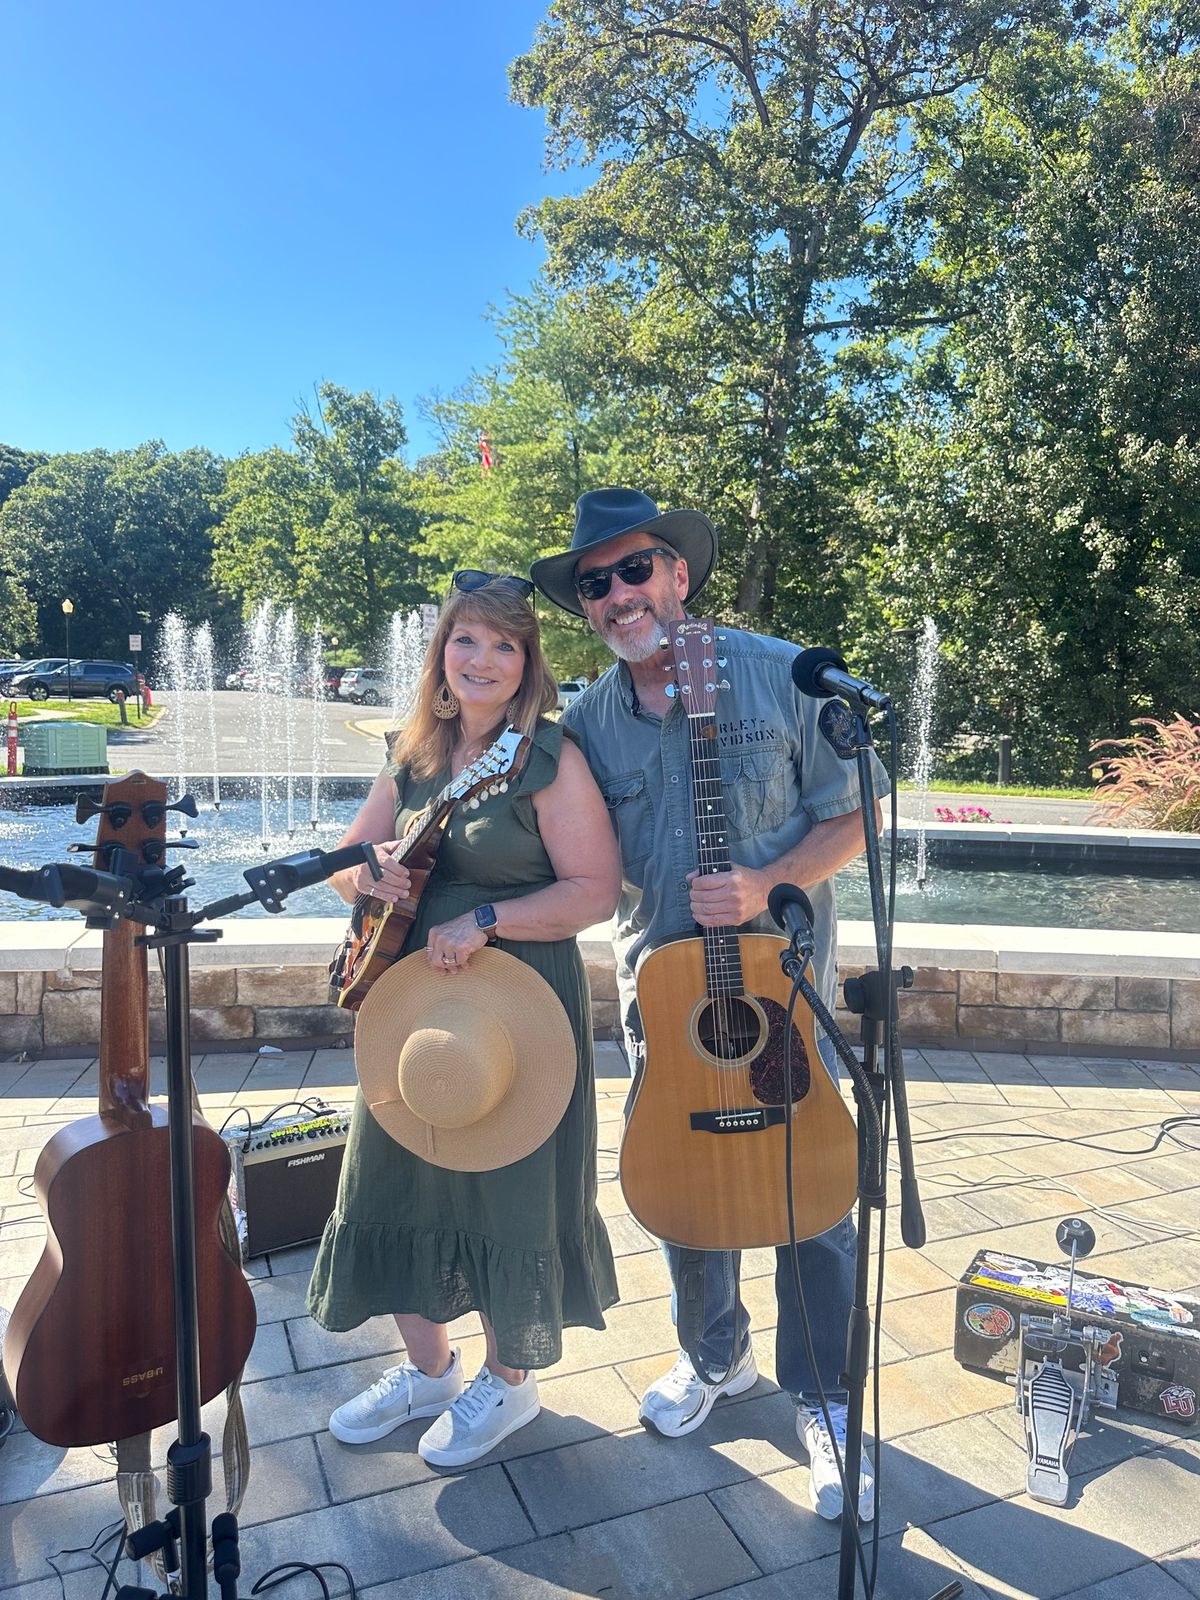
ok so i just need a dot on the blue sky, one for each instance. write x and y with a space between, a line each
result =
210 209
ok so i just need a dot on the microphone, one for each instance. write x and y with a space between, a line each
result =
821 672
64 884
791 911
275 880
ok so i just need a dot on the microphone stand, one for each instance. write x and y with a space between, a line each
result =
873 998
154 897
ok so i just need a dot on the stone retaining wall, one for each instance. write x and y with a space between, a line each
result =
1055 991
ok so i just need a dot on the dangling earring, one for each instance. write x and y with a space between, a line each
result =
445 703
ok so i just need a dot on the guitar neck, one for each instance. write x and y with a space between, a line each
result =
124 1024
722 954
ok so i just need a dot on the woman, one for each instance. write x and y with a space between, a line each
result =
523 1244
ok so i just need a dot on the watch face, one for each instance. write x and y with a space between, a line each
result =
485 916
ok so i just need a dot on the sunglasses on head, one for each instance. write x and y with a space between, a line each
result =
468 579
633 569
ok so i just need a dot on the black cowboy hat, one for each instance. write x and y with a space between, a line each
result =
604 514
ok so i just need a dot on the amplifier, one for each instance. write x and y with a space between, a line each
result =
1149 1339
284 1179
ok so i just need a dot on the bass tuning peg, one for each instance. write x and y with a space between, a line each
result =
187 804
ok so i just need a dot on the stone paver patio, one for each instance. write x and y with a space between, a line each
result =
584 1502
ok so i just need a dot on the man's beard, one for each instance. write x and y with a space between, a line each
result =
635 647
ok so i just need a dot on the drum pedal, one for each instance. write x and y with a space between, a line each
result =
1058 1379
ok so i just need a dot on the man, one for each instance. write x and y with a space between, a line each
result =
794 815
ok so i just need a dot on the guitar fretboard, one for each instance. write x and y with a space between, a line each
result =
722 955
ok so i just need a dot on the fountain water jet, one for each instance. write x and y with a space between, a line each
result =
202 666
175 668
924 695
316 680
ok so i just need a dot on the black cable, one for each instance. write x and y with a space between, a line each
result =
114 1530
292 1569
1166 1130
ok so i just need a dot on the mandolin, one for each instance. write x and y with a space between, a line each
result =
377 930
702 1157
90 1347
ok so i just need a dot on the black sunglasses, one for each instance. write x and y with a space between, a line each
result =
633 569
468 579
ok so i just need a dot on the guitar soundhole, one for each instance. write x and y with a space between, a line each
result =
729 1028
766 1071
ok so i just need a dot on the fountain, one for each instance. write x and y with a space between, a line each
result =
406 652
202 667
924 695
316 690
174 666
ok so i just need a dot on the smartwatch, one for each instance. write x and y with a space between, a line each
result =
485 918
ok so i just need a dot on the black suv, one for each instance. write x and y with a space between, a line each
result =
108 678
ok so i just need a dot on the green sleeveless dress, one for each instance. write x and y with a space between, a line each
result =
523 1244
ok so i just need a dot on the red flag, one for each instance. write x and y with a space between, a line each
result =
485 453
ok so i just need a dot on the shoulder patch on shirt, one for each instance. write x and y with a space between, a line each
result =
836 722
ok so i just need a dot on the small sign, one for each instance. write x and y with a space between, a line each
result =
429 616
135 643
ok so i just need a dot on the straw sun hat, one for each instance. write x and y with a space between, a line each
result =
469 1071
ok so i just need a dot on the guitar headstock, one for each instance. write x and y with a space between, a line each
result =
490 772
695 646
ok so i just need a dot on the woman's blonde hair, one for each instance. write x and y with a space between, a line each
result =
425 743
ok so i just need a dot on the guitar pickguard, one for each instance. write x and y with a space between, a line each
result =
766 1072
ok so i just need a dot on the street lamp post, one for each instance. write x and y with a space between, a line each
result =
67 610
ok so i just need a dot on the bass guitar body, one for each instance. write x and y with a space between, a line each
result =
90 1348
702 1158
91 1356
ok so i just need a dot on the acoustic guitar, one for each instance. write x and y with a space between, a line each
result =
90 1347
702 1158
377 930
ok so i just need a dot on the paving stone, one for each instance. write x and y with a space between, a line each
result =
922 1323
671 1552
1184 1567
300 1258
953 1468
271 1354
1148 1582
627 1237
317 1347
613 1476
928 1390
1117 1519
912 1566
396 1534
276 1299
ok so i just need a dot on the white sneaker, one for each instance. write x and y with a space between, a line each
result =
487 1411
824 1484
402 1393
678 1402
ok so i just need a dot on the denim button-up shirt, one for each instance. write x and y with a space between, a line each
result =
787 763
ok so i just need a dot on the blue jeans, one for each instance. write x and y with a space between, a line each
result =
826 1266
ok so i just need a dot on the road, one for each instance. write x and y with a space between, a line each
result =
250 738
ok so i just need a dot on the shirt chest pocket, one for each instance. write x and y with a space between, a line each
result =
628 802
755 784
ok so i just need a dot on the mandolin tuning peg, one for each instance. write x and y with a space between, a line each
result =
473 804
504 786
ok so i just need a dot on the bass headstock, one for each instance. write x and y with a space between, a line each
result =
698 663
132 817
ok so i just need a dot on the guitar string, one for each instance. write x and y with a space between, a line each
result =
722 973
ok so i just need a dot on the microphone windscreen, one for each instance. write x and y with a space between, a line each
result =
808 664
786 894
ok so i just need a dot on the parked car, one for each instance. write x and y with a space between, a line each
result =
332 682
46 678
363 685
9 670
568 688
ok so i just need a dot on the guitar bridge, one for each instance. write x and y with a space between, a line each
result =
742 1119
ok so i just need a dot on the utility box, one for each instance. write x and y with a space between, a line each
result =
61 749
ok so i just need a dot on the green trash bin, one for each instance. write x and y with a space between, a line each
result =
61 749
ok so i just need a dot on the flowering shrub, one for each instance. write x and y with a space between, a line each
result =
1155 780
969 814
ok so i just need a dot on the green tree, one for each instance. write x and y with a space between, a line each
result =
763 201
555 426
126 535
1040 493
